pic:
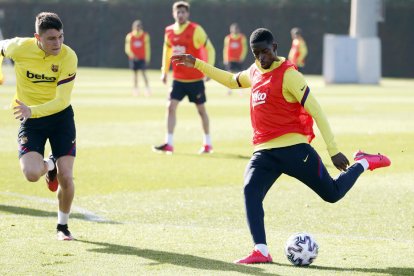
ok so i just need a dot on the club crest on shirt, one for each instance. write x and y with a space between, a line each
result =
55 68
23 140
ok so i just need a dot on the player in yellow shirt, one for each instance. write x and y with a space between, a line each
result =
45 73
298 50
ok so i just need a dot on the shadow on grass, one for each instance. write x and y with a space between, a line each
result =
165 257
40 213
217 155
397 271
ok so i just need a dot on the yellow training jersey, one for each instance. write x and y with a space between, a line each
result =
44 83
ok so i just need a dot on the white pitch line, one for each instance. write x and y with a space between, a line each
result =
90 216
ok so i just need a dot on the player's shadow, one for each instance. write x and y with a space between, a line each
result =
41 213
215 155
165 257
397 271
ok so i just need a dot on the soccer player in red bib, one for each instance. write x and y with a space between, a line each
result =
234 50
298 50
45 74
282 110
187 37
138 50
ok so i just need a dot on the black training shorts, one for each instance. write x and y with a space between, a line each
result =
194 90
234 66
59 128
137 64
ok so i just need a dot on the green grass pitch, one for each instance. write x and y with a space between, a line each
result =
140 213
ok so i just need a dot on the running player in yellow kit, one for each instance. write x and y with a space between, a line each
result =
45 73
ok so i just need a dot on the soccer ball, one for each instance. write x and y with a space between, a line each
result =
301 249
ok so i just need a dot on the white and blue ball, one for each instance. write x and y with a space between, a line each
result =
301 249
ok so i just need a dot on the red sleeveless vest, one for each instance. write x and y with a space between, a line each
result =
235 49
183 44
137 44
271 115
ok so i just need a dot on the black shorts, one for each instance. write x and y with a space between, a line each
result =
234 66
137 64
194 90
59 128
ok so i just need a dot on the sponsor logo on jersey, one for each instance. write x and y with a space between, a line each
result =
137 44
178 49
258 98
23 140
36 78
234 45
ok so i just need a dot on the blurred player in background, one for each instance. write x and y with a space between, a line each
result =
181 37
298 50
138 50
45 73
282 110
234 50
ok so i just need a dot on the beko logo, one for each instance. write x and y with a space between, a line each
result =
36 78
258 98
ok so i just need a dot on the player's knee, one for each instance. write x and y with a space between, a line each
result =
171 109
31 175
65 180
332 198
250 191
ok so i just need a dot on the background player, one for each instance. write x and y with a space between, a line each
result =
181 37
45 73
234 50
298 50
281 111
138 50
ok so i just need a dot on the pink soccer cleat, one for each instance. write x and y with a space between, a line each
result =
206 149
256 257
375 161
164 148
51 177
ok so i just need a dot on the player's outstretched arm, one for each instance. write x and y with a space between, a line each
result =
340 161
226 78
183 60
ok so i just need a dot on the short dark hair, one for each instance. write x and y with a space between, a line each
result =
46 21
181 4
260 35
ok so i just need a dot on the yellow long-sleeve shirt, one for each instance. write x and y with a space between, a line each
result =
293 91
200 39
44 83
